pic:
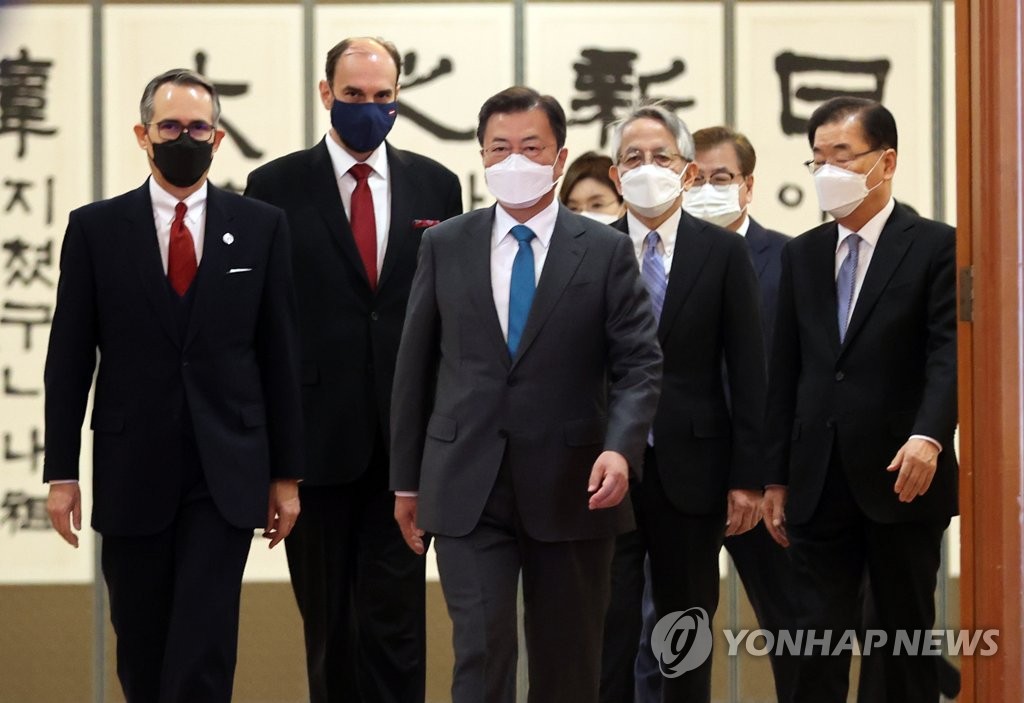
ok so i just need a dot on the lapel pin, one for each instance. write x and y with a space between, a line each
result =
228 238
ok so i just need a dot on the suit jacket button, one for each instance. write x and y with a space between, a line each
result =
840 375
830 423
374 316
511 382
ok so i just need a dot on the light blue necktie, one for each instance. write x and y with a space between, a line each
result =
652 271
522 287
846 282
653 274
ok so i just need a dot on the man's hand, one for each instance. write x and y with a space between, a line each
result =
744 511
282 511
405 516
64 504
916 461
774 506
609 480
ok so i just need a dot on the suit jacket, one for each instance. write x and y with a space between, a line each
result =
707 433
584 379
233 373
894 375
349 333
766 252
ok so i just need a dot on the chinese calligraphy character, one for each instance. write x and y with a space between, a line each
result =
23 270
789 66
11 389
23 98
33 454
18 197
22 314
24 512
608 82
230 90
444 67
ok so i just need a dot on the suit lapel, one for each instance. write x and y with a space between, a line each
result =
327 201
476 263
892 246
141 242
691 250
565 252
757 241
403 196
211 266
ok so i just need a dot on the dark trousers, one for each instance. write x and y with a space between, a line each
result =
683 553
565 592
174 599
361 593
831 554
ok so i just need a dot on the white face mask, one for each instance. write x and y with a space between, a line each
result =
840 192
719 206
602 217
650 190
516 182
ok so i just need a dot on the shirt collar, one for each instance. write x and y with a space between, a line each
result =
542 224
342 161
164 204
872 229
667 230
744 226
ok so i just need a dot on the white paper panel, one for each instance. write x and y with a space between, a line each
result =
598 59
45 171
252 53
793 56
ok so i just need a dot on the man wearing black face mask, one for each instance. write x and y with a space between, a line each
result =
358 207
185 291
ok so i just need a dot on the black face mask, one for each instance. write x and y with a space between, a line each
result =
183 161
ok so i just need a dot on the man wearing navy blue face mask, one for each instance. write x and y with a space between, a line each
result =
358 207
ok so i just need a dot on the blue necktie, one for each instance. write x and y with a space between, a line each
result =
846 282
522 288
653 274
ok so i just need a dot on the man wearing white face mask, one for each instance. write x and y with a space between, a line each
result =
527 378
862 405
702 465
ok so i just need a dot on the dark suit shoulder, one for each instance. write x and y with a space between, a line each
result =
419 162
239 205
287 165
718 236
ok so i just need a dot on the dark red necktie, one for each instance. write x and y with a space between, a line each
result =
181 254
364 224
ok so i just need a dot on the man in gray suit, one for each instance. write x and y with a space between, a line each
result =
527 379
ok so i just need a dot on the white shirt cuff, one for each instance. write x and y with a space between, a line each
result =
926 438
406 494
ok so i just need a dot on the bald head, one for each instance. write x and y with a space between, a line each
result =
363 51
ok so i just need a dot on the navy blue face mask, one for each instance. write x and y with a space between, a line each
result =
363 126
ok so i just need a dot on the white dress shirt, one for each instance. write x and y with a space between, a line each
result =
667 230
869 235
163 217
380 188
504 247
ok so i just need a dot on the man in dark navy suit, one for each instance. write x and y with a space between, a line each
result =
357 207
185 292
862 404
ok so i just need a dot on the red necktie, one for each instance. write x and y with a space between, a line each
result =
181 254
364 224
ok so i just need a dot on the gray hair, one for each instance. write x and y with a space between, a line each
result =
177 76
675 125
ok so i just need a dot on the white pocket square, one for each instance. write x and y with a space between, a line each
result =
238 270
